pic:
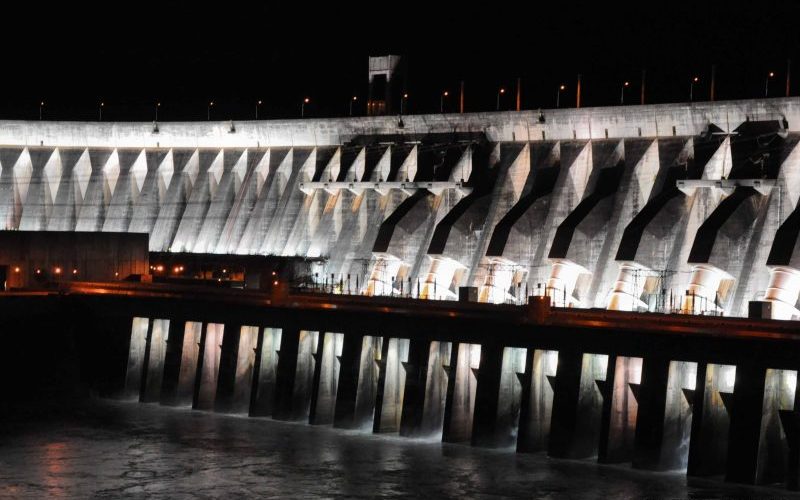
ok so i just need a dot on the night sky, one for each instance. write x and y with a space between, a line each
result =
184 55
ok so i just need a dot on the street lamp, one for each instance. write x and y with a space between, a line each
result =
561 88
500 92
41 105
303 106
622 93
402 103
691 88
258 103
766 83
354 99
101 110
441 101
208 110
158 105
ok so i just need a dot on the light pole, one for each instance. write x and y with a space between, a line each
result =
622 93
441 101
258 103
41 105
561 88
158 105
402 103
500 92
354 99
303 106
766 83
691 87
100 109
208 110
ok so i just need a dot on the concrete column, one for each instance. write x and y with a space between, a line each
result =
757 449
498 395
536 401
790 423
226 377
136 355
295 375
190 353
358 381
172 361
780 390
208 366
461 386
245 369
348 381
708 447
157 349
424 401
620 409
577 405
391 385
368 376
487 390
323 402
265 367
664 422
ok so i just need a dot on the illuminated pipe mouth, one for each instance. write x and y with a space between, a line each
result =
783 292
439 277
628 288
701 294
498 281
561 284
380 280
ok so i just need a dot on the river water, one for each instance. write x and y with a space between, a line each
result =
128 450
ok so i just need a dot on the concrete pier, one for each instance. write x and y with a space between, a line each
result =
190 353
136 354
498 396
757 449
620 409
462 384
577 405
156 353
172 362
425 395
326 379
264 390
208 366
391 385
295 375
663 426
536 401
708 449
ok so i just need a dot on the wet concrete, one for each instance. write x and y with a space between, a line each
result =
130 450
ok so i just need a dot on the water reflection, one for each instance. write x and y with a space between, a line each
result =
118 450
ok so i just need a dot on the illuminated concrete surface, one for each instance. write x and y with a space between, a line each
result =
685 207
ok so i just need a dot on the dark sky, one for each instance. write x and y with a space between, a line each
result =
185 54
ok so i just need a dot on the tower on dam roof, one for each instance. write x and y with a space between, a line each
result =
386 81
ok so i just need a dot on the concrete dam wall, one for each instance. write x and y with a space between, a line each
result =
679 207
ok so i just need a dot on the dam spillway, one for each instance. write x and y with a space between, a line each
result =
671 208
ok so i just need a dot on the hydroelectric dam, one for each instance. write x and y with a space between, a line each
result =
616 283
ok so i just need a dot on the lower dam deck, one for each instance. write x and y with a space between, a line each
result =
714 396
